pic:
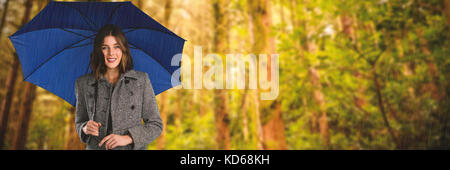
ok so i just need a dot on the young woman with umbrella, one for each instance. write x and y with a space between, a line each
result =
112 101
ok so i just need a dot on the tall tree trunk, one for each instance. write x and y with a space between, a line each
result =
167 12
447 12
320 115
220 95
359 99
381 104
320 101
243 110
258 124
11 80
273 128
26 108
252 34
72 141
160 144
6 103
2 22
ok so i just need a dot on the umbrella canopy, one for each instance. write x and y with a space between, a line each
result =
54 47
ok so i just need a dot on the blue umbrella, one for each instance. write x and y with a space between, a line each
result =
54 47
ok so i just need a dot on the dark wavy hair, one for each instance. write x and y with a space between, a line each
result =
98 65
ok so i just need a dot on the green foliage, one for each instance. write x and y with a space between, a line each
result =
392 49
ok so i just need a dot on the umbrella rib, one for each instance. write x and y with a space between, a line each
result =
150 56
71 46
87 68
135 28
86 19
81 35
79 46
112 13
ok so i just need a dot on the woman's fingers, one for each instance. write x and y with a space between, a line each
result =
97 124
112 144
105 139
93 123
92 127
92 132
109 142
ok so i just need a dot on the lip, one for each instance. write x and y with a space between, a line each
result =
111 60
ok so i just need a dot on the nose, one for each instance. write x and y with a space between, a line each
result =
110 52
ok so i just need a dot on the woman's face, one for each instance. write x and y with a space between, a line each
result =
112 52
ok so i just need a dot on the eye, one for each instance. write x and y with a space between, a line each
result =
104 48
116 46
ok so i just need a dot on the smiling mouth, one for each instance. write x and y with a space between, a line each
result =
111 60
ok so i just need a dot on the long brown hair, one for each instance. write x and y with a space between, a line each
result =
98 65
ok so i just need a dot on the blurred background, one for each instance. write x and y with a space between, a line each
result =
353 75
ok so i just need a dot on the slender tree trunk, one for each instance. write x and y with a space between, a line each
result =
222 119
382 109
274 137
220 95
359 99
259 128
167 12
447 12
2 22
6 103
273 128
11 80
252 34
243 110
72 141
26 108
320 101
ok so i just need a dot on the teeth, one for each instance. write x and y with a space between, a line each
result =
111 59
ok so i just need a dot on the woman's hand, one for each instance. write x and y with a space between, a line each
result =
111 141
91 128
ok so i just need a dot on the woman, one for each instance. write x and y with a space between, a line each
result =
113 100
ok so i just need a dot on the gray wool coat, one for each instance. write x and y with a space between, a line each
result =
134 110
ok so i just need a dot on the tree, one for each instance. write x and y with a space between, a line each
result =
2 22
72 141
273 126
11 80
220 95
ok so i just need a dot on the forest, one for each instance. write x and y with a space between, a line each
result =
353 75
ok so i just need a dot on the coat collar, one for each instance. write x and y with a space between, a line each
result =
129 74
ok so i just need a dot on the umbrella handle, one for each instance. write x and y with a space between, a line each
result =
95 100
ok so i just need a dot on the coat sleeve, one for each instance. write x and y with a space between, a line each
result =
142 135
81 115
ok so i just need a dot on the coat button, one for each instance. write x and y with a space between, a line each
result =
127 81
131 93
132 107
